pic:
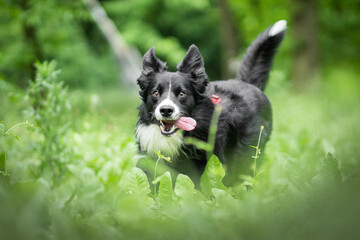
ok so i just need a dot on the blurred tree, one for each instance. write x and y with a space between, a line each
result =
51 29
170 26
128 57
339 37
306 52
31 39
229 39
319 33
252 17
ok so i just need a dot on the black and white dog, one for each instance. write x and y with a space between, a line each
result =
180 104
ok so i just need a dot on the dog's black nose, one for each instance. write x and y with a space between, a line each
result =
166 110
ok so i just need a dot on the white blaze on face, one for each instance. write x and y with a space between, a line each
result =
167 102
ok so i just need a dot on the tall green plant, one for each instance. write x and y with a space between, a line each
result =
3 154
48 104
210 144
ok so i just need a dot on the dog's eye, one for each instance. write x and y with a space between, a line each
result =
155 94
182 94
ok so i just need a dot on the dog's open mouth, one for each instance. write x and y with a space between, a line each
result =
169 127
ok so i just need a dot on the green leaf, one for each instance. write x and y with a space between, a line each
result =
157 180
137 182
2 161
331 167
246 178
11 134
222 197
67 203
91 185
329 174
2 127
198 143
161 156
184 187
166 194
212 176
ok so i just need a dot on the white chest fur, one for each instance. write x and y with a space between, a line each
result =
150 139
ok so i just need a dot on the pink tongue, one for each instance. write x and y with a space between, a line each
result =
186 123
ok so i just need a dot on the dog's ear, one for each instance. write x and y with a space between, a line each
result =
193 64
151 63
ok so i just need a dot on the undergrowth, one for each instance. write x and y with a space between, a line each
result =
74 174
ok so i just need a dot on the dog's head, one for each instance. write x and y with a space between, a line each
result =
171 96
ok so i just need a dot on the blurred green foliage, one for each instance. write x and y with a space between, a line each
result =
73 173
306 188
48 107
50 29
34 30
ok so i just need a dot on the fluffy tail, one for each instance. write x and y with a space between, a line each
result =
256 63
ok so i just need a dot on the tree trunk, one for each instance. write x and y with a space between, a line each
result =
32 43
129 59
229 41
306 59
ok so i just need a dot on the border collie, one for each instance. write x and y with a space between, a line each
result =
176 105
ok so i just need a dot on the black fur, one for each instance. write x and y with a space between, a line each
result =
245 108
254 68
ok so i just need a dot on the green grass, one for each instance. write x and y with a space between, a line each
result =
300 191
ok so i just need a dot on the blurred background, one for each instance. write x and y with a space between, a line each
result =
321 35
67 146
